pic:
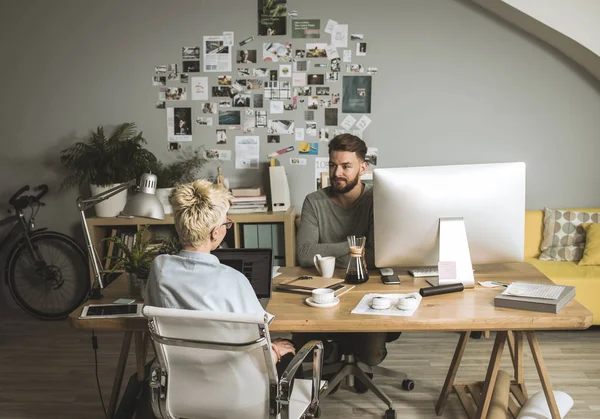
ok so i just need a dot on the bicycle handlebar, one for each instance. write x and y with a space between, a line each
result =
13 199
43 188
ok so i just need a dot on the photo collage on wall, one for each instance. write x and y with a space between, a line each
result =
290 88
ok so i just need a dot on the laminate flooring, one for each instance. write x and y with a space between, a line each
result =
47 371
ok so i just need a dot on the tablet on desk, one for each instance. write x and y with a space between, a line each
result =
94 311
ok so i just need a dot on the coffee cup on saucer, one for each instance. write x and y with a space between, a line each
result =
323 295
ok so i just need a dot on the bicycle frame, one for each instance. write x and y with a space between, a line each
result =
19 222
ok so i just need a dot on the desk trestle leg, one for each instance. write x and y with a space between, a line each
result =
449 383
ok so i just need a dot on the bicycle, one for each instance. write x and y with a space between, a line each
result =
46 272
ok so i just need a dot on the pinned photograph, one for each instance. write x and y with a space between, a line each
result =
209 107
303 91
288 107
249 112
249 125
183 78
244 72
221 91
280 126
316 79
260 72
300 53
356 97
331 117
260 118
324 134
272 17
361 49
311 129
238 85
191 66
271 139
172 73
247 56
159 80
372 71
273 75
309 115
332 77
225 103
215 154
253 84
313 102
221 136
206 121
316 50
190 53
241 100
234 127
295 161
257 100
174 146
306 28
371 156
308 148
160 104
172 93
355 68
336 64
335 98
229 118
320 65
277 90
161 68
224 80
325 103
322 91
285 70
277 52
246 41
357 36
183 122
301 65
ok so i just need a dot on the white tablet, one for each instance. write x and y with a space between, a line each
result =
94 311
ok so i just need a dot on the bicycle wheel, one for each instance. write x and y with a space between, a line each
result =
56 285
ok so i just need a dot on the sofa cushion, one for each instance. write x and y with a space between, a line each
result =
591 252
564 237
586 280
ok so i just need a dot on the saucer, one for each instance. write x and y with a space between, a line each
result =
312 303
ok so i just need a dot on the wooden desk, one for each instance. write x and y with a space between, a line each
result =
466 311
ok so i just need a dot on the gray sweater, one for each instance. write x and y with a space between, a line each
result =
324 226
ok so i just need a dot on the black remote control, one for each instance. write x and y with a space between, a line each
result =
441 289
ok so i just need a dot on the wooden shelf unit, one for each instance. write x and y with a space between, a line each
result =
100 227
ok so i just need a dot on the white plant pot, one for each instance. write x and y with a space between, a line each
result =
163 196
112 206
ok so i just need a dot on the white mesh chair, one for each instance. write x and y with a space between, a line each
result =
220 365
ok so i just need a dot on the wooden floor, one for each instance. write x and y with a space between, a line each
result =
47 371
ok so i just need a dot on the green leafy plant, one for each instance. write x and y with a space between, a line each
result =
136 258
105 161
183 170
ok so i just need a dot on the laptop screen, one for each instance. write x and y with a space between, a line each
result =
255 264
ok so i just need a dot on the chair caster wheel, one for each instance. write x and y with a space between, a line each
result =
390 414
408 385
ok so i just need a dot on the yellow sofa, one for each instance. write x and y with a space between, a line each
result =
585 279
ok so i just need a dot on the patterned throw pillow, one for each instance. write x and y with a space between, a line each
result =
564 236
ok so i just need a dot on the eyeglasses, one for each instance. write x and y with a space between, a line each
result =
228 223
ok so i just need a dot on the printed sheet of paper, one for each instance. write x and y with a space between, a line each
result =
321 166
199 88
348 121
331 51
217 154
299 134
228 39
298 79
217 55
276 106
246 152
331 24
363 122
179 128
364 305
339 36
347 57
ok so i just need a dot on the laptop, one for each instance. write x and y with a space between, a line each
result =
255 264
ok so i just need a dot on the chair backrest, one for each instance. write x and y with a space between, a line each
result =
218 365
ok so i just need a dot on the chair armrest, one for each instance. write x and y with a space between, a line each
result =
290 371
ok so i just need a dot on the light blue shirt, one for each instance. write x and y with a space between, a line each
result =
198 281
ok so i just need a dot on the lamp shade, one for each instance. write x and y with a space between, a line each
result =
145 203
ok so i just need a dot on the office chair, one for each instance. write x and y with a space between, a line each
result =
350 369
220 365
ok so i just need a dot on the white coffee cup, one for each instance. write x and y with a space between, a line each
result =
325 265
381 303
322 295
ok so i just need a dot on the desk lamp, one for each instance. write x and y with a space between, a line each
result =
143 204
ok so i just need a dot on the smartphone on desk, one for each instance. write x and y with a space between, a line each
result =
390 279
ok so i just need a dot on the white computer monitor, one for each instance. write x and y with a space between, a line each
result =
409 202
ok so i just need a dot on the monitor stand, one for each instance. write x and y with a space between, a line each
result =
454 247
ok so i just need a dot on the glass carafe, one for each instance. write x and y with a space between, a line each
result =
357 273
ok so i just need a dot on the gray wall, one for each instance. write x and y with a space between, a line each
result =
455 85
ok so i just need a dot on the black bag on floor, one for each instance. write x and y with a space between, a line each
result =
132 397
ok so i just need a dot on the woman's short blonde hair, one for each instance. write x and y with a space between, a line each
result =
198 208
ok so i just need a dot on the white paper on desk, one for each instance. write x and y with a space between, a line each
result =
364 305
489 284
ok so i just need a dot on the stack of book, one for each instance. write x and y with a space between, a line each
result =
249 199
535 297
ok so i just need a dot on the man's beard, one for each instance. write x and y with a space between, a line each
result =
345 189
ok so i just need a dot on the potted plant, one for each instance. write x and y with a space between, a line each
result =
134 255
106 162
183 170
